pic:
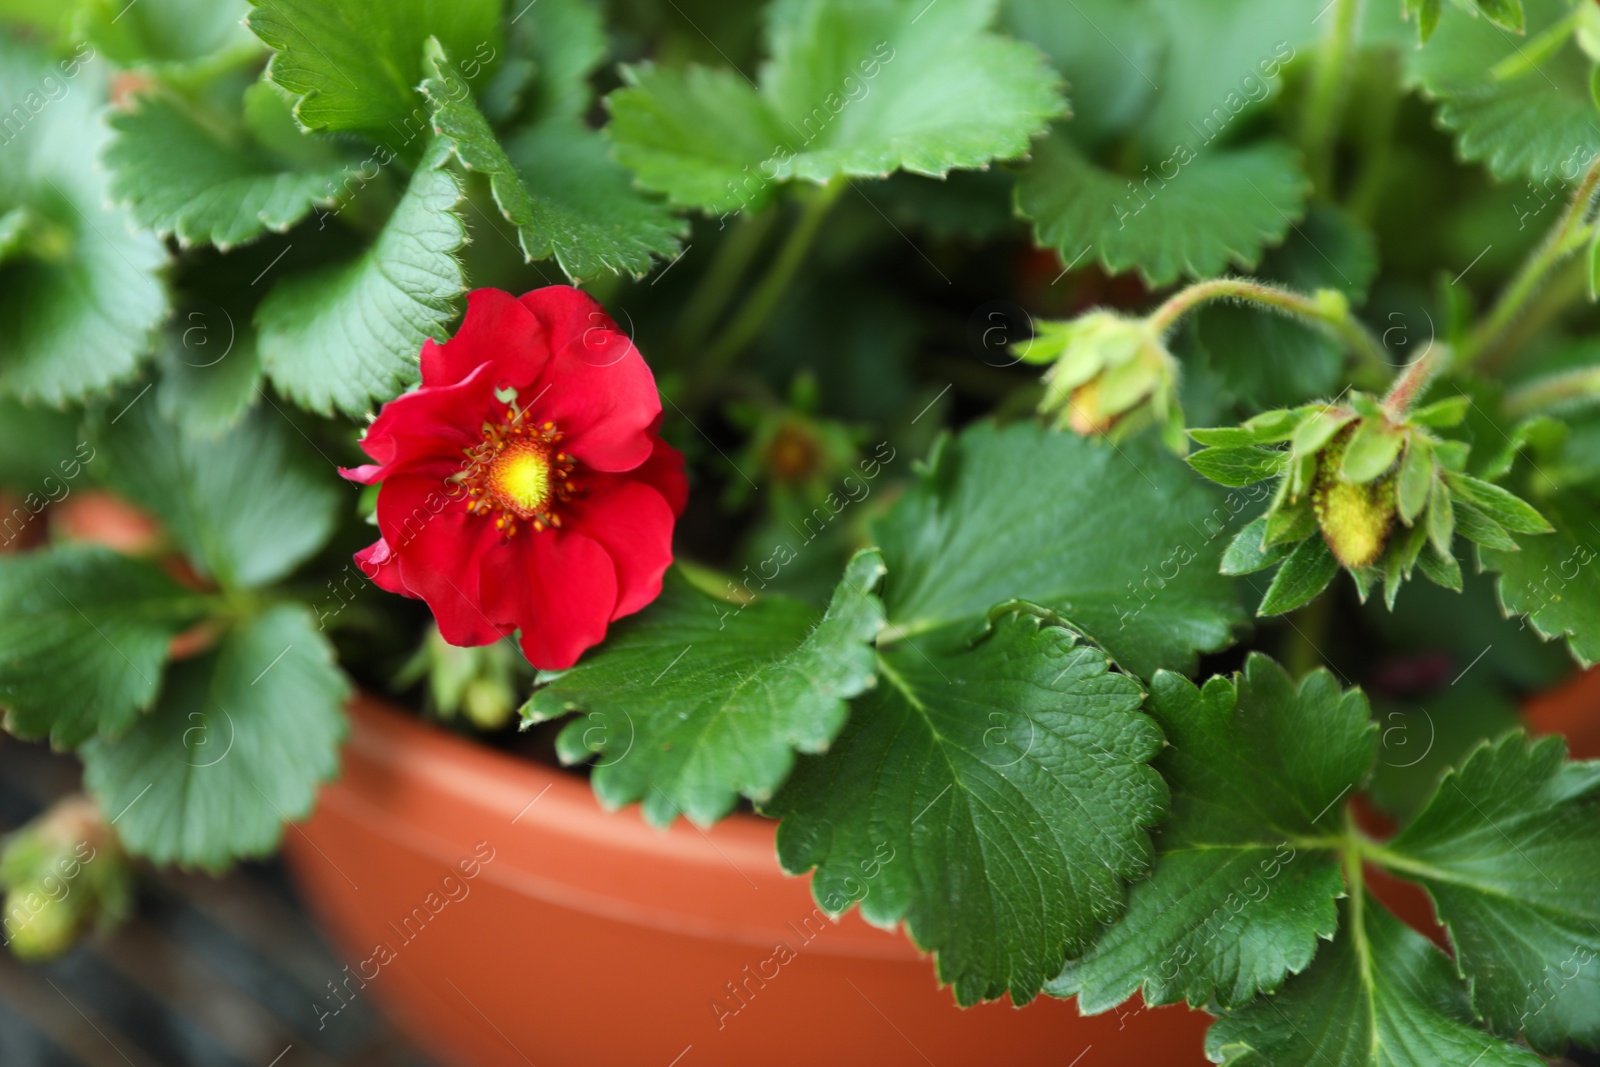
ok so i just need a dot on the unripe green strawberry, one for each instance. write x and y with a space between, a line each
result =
1355 519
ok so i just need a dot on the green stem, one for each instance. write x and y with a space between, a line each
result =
1356 879
716 287
1377 137
1569 234
1329 87
1333 313
1411 383
763 301
1554 391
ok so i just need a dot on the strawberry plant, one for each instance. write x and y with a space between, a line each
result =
1123 459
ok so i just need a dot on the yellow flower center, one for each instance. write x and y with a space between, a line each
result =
518 474
519 478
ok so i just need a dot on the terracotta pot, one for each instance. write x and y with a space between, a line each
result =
591 939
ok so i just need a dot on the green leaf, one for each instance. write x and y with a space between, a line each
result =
200 179
1442 570
1372 450
83 637
1427 14
80 298
1226 63
1504 13
1239 466
1112 53
208 384
1420 742
992 794
1504 507
1539 124
566 41
348 334
1441 517
1506 850
238 745
1307 572
1122 541
1483 846
853 88
1552 581
1219 210
247 508
175 38
1380 996
1476 526
1236 901
1415 480
695 701
1441 414
355 64
1247 554
569 199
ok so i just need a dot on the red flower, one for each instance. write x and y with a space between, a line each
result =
524 484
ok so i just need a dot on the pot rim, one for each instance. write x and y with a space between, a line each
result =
403 778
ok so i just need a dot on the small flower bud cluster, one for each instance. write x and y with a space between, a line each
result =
1110 375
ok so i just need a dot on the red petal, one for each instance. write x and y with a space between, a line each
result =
442 548
428 423
559 587
633 523
497 330
663 472
379 564
597 387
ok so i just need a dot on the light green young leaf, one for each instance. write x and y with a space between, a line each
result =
83 639
1220 209
1506 849
694 701
1122 541
857 88
1381 995
991 794
239 743
568 198
348 334
355 64
247 508
81 298
1236 901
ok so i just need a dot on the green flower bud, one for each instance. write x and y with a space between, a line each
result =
1110 375
65 872
480 682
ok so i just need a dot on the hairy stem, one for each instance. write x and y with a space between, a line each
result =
1330 85
763 301
1411 383
1488 342
1333 314
1560 389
